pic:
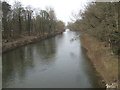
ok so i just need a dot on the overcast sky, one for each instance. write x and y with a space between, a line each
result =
63 8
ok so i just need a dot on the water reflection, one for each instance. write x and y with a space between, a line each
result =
54 62
16 64
46 49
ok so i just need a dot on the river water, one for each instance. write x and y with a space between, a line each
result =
53 63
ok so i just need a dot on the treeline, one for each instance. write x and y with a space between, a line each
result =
18 21
101 20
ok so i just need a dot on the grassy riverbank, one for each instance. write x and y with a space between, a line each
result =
104 61
24 40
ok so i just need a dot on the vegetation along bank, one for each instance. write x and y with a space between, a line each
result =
100 36
24 25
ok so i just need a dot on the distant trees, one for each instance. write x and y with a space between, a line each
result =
60 25
0 24
18 21
28 18
100 19
5 9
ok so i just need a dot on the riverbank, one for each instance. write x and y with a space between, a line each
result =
24 40
102 58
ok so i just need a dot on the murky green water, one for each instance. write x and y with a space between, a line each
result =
52 63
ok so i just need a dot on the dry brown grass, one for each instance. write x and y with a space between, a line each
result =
102 58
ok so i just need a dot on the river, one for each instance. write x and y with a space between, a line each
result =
53 63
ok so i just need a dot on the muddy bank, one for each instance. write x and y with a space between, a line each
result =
102 58
10 45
